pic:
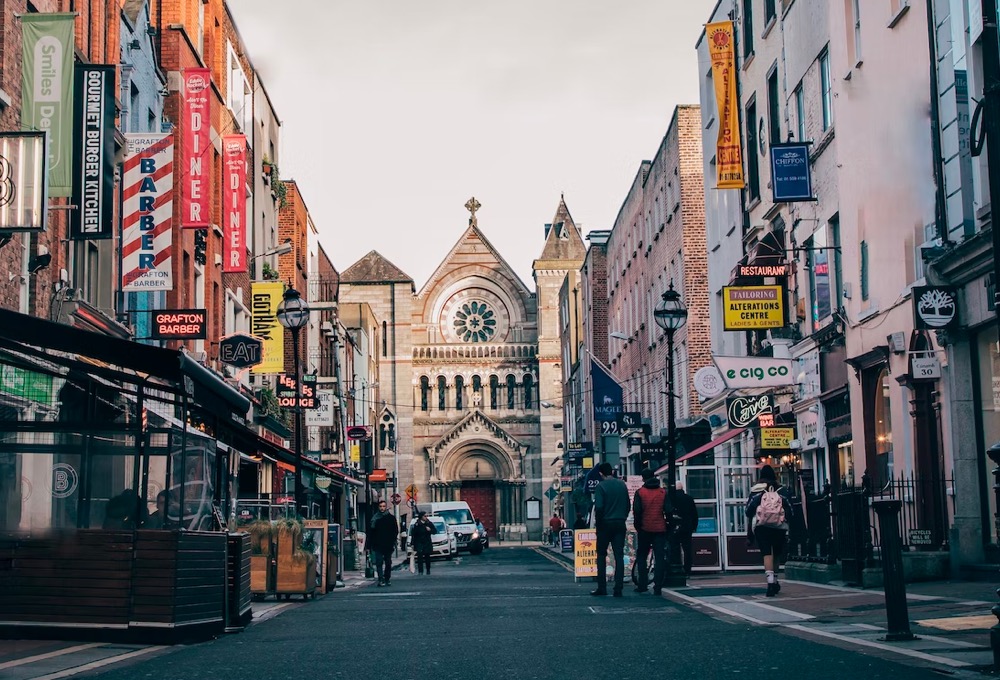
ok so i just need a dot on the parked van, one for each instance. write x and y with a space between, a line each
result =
460 521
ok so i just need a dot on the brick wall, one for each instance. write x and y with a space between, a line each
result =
293 223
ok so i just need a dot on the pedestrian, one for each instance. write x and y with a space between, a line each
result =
611 506
686 514
652 510
421 540
382 542
555 525
158 519
768 510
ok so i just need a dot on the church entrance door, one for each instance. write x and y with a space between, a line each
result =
482 499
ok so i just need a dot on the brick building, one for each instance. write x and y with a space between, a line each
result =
658 240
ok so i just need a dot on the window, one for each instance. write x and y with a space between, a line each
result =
529 398
747 28
511 388
824 84
774 116
864 270
823 283
769 11
753 171
442 393
477 384
459 389
385 338
494 391
883 428
425 391
800 113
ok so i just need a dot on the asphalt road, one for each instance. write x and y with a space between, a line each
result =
509 613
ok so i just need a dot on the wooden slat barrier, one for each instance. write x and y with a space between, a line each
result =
238 579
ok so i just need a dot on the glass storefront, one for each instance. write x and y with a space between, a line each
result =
988 415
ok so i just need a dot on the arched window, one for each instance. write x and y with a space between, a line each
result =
529 397
442 393
459 389
494 391
477 384
385 338
425 392
511 386
883 428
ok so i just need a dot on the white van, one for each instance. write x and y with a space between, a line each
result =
460 521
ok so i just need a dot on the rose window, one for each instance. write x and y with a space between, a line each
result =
475 322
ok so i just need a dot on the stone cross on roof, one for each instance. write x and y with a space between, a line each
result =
472 205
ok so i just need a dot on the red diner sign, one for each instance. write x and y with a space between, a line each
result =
234 203
179 324
197 122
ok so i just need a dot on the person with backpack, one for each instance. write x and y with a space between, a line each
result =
653 511
769 510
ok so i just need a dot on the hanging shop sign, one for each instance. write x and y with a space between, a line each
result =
935 308
22 181
48 45
234 203
322 415
776 438
746 308
265 296
728 151
196 121
925 367
179 324
286 391
755 271
629 420
241 350
608 396
377 475
748 372
147 212
791 176
359 433
94 153
743 411
708 382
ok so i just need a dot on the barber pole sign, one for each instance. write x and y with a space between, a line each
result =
196 123
147 213
234 203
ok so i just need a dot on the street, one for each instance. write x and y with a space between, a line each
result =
509 613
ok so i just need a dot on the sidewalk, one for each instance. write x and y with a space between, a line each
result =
951 619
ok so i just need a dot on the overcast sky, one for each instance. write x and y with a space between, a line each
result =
395 112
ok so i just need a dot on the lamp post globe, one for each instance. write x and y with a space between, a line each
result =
293 314
671 315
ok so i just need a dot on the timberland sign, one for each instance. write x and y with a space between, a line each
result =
746 372
747 308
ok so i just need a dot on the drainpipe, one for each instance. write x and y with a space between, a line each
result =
940 207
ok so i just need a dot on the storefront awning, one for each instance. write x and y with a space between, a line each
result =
210 390
707 447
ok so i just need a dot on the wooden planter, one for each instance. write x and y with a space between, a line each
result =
296 572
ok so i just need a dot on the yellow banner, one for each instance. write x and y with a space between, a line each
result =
265 298
776 437
356 458
585 552
728 150
746 308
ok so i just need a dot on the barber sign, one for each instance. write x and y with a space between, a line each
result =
147 212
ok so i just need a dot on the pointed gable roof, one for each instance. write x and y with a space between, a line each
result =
563 240
467 245
477 417
373 268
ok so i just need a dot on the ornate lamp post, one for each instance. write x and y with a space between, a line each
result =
293 314
671 315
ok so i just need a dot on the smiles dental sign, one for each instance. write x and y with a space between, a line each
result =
197 121
747 372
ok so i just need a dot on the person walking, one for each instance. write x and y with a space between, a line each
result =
611 506
652 510
768 510
555 526
686 514
382 542
422 542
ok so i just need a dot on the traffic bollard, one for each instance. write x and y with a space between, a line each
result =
896 611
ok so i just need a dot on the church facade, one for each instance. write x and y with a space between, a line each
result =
470 373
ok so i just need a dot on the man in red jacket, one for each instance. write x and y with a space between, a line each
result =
555 526
652 510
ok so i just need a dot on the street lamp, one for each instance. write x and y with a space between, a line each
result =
671 315
293 314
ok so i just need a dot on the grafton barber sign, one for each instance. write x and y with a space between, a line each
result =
179 324
197 146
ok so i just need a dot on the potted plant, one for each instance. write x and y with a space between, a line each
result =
261 537
269 273
296 565
267 166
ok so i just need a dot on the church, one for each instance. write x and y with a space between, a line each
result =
470 372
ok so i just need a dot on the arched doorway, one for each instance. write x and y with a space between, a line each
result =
478 480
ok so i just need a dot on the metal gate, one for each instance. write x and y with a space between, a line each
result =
720 493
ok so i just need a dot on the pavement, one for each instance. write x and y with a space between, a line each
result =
517 611
949 619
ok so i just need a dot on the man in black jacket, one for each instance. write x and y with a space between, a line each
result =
687 513
382 542
611 506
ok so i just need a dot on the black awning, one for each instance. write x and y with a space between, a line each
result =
210 390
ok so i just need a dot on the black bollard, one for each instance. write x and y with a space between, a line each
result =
897 615
994 454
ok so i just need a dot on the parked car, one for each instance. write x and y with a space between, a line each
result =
444 543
